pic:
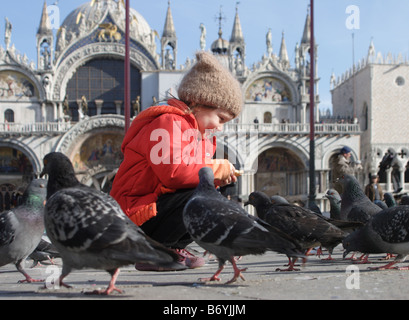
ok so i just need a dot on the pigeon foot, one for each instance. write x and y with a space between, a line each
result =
31 280
215 277
106 292
389 266
111 288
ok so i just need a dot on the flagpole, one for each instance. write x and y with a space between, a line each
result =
312 194
127 97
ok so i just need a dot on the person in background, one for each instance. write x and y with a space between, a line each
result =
342 165
373 190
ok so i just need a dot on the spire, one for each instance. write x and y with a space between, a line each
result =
45 24
169 29
45 42
237 44
371 50
169 42
237 33
220 46
306 37
283 53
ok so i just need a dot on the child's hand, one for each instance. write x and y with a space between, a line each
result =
231 179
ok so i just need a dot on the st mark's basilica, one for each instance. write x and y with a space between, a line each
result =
71 100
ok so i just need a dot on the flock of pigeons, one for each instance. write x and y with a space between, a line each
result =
88 229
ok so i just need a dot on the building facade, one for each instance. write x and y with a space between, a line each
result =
375 92
71 101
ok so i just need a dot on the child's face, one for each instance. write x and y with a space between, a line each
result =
211 118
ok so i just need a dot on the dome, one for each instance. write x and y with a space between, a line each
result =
220 46
88 17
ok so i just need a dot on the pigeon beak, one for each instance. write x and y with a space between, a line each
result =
246 204
43 173
346 252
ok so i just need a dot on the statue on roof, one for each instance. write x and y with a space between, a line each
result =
7 33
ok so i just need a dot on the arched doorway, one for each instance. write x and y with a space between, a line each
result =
281 172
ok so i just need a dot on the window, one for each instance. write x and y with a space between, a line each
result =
9 115
268 118
400 81
101 79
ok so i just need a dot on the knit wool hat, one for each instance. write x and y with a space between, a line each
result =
209 83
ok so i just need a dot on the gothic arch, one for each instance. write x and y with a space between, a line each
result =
285 79
73 61
26 150
88 126
39 89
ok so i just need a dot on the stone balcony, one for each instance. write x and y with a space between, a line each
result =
294 128
56 128
40 128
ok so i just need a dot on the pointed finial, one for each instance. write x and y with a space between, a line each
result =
221 17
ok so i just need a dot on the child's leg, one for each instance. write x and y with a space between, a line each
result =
168 227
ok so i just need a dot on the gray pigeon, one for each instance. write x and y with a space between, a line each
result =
386 232
307 227
225 229
90 230
335 203
389 199
404 200
22 227
44 251
355 205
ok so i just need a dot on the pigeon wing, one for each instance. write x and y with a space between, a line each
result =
227 224
84 219
8 224
392 224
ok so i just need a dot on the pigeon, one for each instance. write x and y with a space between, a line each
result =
404 200
389 199
355 205
307 227
225 229
44 251
386 232
343 225
335 203
90 230
279 199
22 227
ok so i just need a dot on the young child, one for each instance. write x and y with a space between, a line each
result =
167 145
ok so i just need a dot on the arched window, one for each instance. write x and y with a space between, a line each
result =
9 115
101 79
268 118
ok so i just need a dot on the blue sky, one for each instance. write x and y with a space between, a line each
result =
386 22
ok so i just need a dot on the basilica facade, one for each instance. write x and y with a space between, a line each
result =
71 101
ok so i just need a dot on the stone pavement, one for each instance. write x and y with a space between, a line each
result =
318 279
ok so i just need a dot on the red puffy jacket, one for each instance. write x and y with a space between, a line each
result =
163 152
